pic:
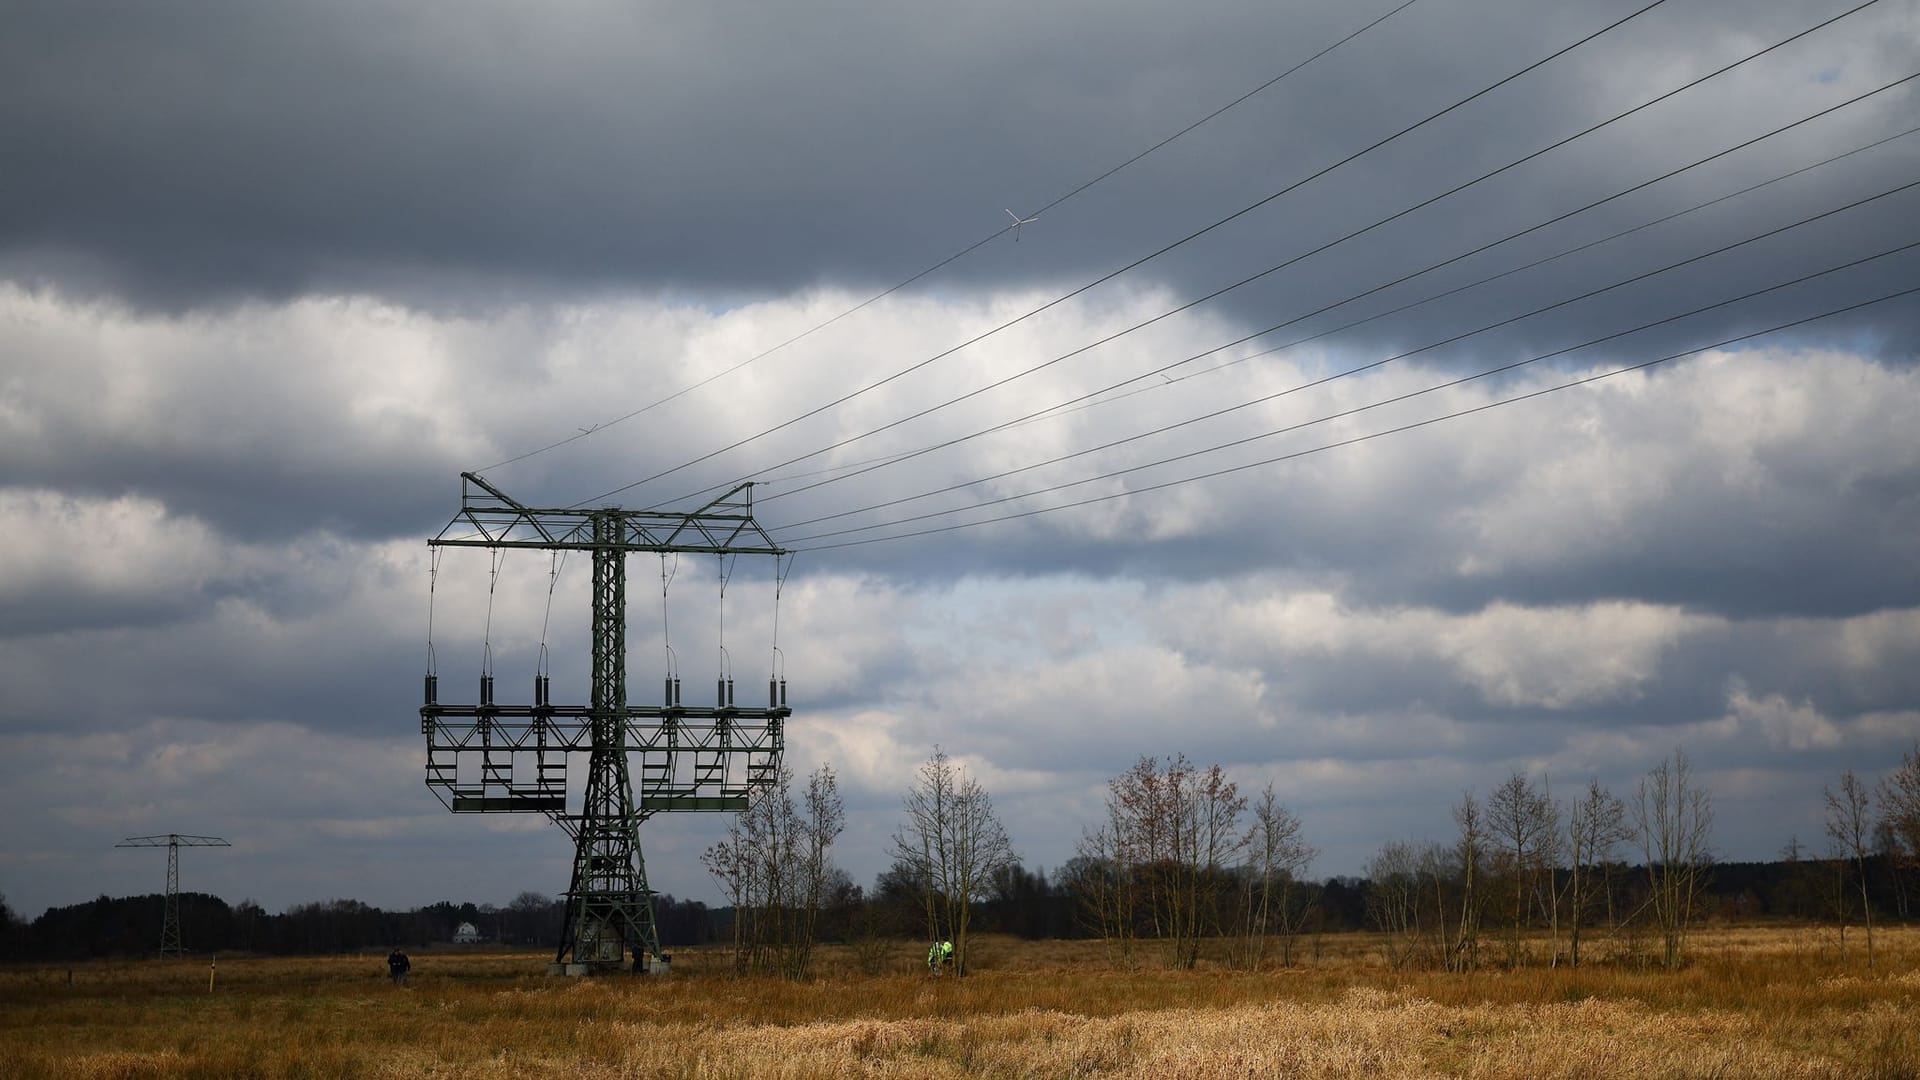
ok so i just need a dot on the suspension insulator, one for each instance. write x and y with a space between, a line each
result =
773 694
486 689
783 693
433 690
729 694
720 692
540 693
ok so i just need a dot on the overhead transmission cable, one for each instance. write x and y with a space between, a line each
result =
956 256
1484 407
1343 374
1141 261
1084 400
1324 380
1243 97
1294 260
1475 284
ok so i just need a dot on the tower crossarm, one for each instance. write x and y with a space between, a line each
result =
489 518
173 840
497 759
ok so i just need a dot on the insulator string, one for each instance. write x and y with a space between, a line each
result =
726 576
495 558
666 625
559 561
779 583
433 582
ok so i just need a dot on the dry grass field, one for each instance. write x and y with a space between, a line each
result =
1754 1002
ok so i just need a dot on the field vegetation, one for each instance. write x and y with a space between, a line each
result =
1750 1001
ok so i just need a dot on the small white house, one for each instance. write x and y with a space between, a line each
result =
466 934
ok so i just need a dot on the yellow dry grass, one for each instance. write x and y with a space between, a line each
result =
1755 1002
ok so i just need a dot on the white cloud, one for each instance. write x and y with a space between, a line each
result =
1792 725
1513 656
1374 630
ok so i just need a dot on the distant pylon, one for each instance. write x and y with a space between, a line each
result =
170 944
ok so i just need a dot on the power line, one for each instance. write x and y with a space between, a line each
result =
1243 97
1485 407
1137 262
1376 363
957 255
1364 408
1296 259
1064 408
1476 284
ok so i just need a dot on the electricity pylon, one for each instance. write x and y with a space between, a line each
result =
170 922
495 758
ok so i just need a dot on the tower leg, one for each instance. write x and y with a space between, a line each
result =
170 922
609 907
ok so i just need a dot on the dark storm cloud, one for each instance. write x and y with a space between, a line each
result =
235 150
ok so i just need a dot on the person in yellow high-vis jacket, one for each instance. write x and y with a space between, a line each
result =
940 954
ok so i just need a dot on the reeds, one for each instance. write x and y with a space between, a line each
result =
1755 1002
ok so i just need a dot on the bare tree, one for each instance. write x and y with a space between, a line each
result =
1550 886
1411 889
1205 807
1393 898
774 868
1886 844
1464 954
1522 820
735 863
1900 812
1278 856
1596 827
823 818
1674 819
1850 828
1440 876
954 845
1171 840
1102 884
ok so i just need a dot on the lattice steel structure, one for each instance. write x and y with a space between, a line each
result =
170 944
494 758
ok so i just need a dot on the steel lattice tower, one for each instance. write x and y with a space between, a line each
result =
170 943
494 758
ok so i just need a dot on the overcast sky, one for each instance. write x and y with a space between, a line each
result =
272 276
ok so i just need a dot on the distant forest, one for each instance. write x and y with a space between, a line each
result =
1024 903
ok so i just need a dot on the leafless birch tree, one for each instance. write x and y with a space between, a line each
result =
1850 828
954 845
774 868
1674 819
1596 827
1278 856
1900 812
1521 819
1464 952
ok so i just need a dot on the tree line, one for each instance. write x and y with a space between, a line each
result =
130 926
1183 862
1181 865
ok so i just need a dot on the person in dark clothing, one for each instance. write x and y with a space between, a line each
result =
397 966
